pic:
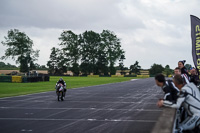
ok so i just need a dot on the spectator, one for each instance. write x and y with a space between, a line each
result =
168 87
183 69
189 98
177 71
193 76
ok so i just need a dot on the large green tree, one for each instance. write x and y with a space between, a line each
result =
96 53
20 49
112 48
71 46
156 69
167 71
90 42
58 63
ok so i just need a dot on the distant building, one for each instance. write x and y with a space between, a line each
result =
127 72
69 73
6 72
123 72
15 72
144 72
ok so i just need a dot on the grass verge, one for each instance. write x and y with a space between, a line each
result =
16 89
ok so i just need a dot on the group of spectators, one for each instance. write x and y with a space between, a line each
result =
181 92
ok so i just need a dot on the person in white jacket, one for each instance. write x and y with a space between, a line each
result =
189 98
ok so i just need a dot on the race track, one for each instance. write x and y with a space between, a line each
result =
126 107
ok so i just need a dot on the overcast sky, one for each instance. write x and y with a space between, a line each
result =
151 31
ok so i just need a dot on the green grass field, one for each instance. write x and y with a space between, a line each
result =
15 89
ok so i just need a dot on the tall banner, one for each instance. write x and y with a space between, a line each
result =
195 34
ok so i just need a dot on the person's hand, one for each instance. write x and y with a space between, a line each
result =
160 103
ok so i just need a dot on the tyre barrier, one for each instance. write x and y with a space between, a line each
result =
113 76
5 79
143 76
17 79
24 79
96 76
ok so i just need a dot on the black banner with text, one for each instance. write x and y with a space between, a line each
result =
195 34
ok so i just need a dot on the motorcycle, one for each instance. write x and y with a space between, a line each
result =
60 92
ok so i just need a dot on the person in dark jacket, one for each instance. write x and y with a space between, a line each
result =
183 69
170 90
193 76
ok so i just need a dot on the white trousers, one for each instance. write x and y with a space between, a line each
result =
190 123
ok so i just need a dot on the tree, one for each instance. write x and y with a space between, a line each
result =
167 70
40 67
75 69
94 51
102 63
188 66
20 47
57 63
121 64
156 69
112 48
71 46
7 66
135 68
90 42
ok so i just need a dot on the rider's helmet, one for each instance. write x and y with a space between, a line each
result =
61 79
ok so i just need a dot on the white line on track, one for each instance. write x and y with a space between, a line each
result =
109 120
43 101
110 109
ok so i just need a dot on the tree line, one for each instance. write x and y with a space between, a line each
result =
89 52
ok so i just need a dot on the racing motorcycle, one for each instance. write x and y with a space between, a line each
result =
60 92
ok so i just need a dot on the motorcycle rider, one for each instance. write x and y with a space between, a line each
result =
189 98
168 87
61 81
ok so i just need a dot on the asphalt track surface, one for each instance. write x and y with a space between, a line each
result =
126 107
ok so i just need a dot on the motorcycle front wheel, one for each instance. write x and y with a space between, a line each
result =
62 96
58 94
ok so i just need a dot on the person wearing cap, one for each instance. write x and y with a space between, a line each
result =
61 81
189 98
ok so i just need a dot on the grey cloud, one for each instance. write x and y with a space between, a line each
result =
64 14
131 20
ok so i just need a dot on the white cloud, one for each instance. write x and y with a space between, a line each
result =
151 31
